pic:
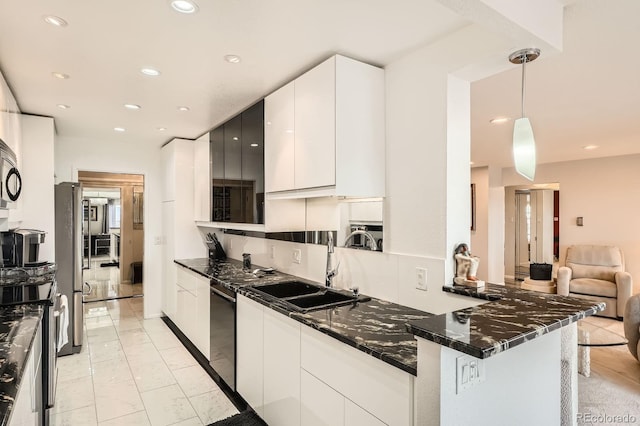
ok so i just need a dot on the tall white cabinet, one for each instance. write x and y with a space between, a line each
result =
181 238
325 132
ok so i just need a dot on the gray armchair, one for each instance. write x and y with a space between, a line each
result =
632 325
596 273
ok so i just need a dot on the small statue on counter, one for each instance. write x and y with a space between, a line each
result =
466 267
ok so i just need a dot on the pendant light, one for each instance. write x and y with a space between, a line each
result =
524 145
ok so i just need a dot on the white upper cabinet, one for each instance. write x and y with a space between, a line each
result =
279 116
315 127
201 209
336 144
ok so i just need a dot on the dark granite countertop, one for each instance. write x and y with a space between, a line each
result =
376 327
18 327
509 318
386 330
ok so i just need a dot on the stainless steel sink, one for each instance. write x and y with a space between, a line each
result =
304 297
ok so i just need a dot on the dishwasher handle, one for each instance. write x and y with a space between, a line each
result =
221 294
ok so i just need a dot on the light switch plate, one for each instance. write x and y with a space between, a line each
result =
421 279
297 256
273 252
469 372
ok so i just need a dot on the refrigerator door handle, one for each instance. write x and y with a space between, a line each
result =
78 313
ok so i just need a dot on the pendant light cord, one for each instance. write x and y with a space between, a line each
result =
524 63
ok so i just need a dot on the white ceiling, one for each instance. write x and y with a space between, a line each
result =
107 42
586 95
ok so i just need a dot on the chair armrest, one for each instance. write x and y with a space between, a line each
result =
632 324
625 287
564 276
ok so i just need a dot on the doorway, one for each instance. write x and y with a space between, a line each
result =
532 234
113 235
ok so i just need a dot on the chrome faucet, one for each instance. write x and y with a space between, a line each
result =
331 272
371 241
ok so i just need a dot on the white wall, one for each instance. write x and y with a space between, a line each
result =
601 190
73 154
37 180
479 238
521 386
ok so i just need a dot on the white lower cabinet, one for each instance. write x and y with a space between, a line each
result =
320 405
379 388
292 374
281 369
27 406
354 415
250 352
192 310
203 318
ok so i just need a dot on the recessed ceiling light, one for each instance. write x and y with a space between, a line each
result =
161 129
235 138
119 129
55 21
183 108
184 6
499 120
254 145
150 71
132 106
590 147
63 106
234 59
60 75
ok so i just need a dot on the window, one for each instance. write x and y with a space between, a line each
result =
114 214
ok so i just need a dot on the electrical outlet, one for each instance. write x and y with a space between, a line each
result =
157 241
469 372
421 279
273 252
297 256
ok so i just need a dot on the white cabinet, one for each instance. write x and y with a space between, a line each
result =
181 239
202 187
385 392
27 407
203 319
320 405
279 119
192 311
281 369
250 352
315 127
354 415
338 134
293 375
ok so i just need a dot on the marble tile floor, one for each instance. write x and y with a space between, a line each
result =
105 282
614 385
133 371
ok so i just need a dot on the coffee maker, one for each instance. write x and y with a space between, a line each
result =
20 247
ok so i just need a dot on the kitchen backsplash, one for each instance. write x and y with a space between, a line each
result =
386 276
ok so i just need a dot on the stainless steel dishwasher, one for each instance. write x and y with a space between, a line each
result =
223 333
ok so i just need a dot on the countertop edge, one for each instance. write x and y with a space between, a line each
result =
7 398
301 319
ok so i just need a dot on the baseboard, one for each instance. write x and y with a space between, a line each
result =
234 397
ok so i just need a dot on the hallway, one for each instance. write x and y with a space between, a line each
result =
133 371
105 282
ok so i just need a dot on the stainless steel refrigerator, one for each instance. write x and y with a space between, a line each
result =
69 254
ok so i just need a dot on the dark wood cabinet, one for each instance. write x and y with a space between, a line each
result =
237 168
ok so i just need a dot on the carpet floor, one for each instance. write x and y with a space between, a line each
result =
246 418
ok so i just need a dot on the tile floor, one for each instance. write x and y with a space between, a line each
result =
133 371
105 282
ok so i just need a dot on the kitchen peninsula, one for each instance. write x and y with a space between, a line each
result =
363 358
